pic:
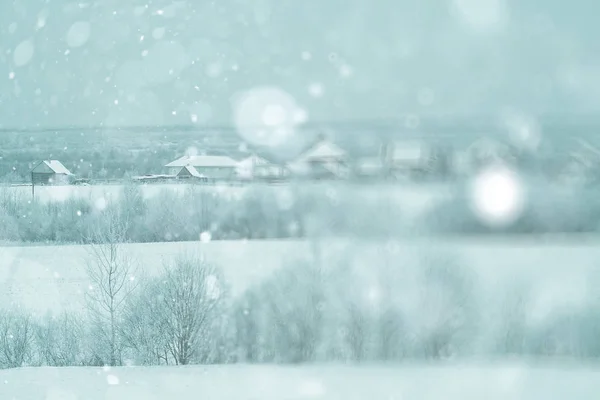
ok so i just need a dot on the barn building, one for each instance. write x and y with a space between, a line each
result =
50 172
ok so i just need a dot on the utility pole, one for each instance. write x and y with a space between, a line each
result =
32 188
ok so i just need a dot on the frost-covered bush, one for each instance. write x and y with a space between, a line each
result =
446 312
177 317
59 340
9 226
16 338
281 319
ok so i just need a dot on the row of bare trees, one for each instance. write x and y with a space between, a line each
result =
171 318
307 311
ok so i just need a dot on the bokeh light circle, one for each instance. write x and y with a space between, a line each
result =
497 196
267 116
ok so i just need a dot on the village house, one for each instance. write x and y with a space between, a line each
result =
325 160
211 167
190 173
50 172
406 158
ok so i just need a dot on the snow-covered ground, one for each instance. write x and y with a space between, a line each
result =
560 271
243 382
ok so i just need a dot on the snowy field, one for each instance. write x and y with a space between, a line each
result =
243 382
560 271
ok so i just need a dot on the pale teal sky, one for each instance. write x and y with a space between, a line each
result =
124 63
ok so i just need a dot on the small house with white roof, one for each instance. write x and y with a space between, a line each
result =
188 173
211 167
50 172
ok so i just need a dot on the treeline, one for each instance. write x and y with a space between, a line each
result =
263 212
253 212
305 312
166 216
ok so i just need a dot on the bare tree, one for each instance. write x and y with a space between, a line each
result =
192 293
16 339
177 317
112 275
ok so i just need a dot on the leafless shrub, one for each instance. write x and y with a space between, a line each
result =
283 316
176 316
16 339
142 327
368 311
193 290
512 325
446 306
246 323
59 340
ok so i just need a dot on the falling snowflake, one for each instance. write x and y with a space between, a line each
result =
315 89
78 34
23 53
346 71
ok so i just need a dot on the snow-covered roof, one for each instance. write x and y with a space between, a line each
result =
323 151
247 167
193 171
203 161
54 166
